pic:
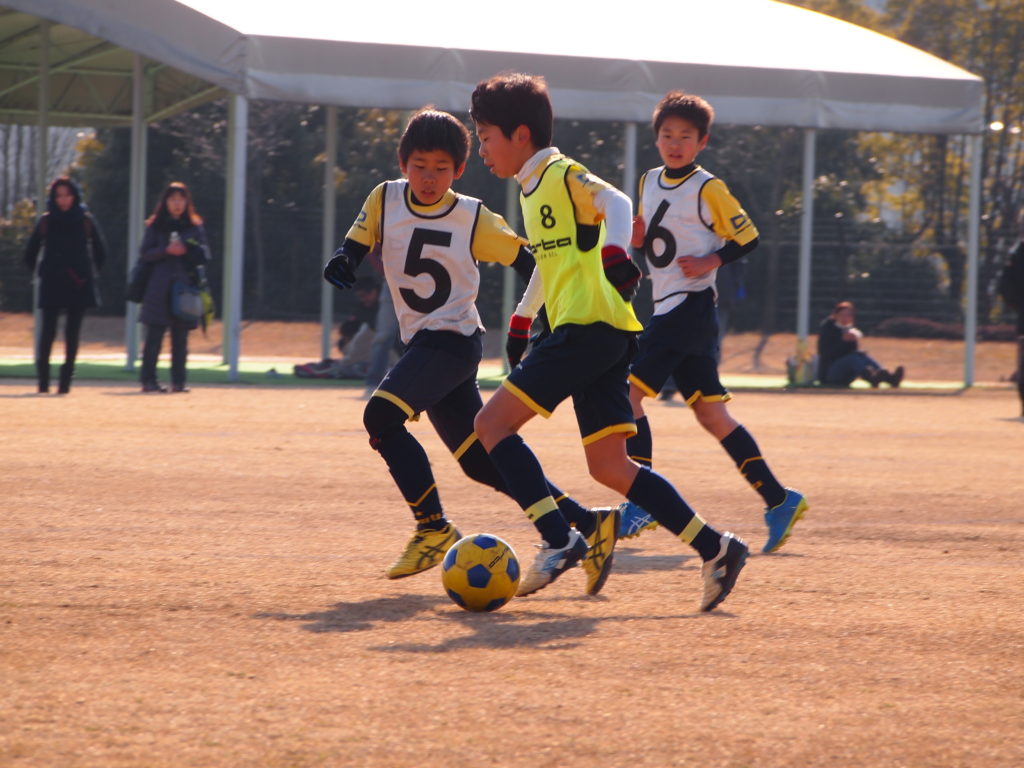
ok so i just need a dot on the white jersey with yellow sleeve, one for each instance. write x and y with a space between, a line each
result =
691 216
430 255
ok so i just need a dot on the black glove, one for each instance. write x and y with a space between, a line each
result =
620 271
340 272
518 338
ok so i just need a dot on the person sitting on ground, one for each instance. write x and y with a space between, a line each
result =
840 359
356 334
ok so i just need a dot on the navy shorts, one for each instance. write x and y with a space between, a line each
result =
588 363
683 344
437 375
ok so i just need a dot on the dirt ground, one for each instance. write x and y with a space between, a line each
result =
196 580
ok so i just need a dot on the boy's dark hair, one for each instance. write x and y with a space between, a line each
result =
161 217
431 129
687 106
512 99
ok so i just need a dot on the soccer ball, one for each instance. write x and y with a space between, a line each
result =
480 572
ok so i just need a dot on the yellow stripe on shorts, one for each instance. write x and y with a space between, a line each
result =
525 399
698 395
628 427
641 386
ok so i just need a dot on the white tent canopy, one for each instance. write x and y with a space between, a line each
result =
757 61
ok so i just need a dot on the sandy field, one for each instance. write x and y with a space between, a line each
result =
197 580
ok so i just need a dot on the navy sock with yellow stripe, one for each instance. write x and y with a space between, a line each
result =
741 446
409 466
525 480
478 466
581 518
660 498
407 461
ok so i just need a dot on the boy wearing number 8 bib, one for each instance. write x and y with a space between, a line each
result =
431 239
688 225
578 226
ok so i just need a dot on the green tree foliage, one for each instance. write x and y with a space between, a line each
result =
15 279
926 185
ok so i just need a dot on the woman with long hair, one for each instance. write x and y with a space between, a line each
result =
175 243
73 252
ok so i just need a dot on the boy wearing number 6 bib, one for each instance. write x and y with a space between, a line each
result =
431 239
689 225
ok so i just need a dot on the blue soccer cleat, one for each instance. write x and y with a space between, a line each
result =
780 519
634 520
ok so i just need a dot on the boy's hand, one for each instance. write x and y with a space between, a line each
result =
637 240
695 266
339 271
620 271
518 338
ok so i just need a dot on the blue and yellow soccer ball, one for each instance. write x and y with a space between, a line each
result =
480 572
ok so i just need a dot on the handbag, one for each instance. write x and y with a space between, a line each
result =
138 279
186 301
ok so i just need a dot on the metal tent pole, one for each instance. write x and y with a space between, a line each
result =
42 160
328 239
136 202
973 234
803 302
234 231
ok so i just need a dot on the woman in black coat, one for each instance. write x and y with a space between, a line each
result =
174 244
73 252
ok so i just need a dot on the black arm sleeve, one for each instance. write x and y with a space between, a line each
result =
732 250
356 252
524 264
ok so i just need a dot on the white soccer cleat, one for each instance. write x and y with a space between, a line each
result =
551 563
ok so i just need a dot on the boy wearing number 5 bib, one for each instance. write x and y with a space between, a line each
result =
430 239
689 225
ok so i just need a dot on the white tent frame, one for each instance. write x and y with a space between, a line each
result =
923 95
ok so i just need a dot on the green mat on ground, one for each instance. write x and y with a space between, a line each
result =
266 372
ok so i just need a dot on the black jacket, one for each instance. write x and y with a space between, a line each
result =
73 252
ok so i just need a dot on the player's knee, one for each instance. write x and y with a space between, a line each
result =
380 418
714 417
618 476
484 426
